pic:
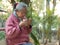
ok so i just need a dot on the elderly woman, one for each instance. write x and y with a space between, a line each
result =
18 27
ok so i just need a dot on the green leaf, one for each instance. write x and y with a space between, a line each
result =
35 39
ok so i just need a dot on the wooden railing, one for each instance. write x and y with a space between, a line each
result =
2 29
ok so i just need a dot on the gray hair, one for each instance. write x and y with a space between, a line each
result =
20 6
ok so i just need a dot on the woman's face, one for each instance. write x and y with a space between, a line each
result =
22 12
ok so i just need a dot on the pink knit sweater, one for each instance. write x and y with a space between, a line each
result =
15 35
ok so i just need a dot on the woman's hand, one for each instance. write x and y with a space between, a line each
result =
22 23
25 22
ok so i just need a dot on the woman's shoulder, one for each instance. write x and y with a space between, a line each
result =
10 18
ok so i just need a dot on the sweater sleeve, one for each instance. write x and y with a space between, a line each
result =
12 30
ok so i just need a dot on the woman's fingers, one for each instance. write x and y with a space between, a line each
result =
25 22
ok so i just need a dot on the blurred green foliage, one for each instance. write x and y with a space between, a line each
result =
2 35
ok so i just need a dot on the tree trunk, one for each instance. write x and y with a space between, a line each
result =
13 1
54 4
47 4
59 41
43 33
25 1
49 26
59 34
